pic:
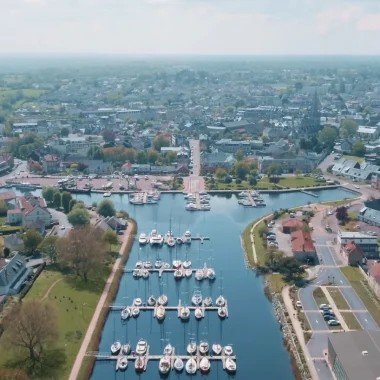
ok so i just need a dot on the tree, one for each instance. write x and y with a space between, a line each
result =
239 155
65 132
221 173
229 109
6 252
3 208
49 248
274 169
32 326
265 139
241 169
110 238
106 208
359 149
328 136
228 179
298 172
32 240
160 142
23 151
349 128
78 217
290 267
48 193
341 214
171 157
57 199
72 203
148 124
108 135
153 156
252 181
66 198
82 250
141 157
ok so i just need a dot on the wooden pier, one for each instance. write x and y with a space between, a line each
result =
251 200
171 270
309 193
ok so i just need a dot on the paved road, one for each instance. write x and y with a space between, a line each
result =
195 183
62 218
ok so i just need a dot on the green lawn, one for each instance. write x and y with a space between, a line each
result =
354 158
351 321
296 182
43 283
338 298
277 282
319 296
221 185
248 244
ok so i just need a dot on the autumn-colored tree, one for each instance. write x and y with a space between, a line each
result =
48 247
119 154
82 250
160 142
31 326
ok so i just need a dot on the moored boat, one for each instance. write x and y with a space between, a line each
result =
177 264
192 348
151 301
122 363
143 239
188 273
168 350
184 313
164 365
210 274
178 364
137 302
191 366
207 301
178 274
126 349
116 347
199 275
222 312
162 300
198 313
228 351
135 312
217 349
126 313
141 347
158 264
196 299
204 365
186 264
220 301
230 365
140 363
160 313
203 347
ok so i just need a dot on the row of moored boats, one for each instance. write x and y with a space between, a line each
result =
250 199
193 204
138 198
156 239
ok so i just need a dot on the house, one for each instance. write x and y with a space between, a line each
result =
244 125
13 274
352 254
51 164
367 243
342 166
368 133
30 212
303 247
374 277
14 242
291 225
116 224
289 165
212 161
375 181
246 146
346 145
8 197
75 144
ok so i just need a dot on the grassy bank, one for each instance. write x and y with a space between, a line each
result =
338 298
319 296
351 321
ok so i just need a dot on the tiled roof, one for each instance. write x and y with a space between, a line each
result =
351 247
292 223
375 271
7 195
302 241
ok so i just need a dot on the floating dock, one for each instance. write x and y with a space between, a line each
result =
171 270
309 193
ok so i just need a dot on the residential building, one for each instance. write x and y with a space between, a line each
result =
352 254
375 181
6 162
291 225
14 242
13 274
8 197
243 126
212 161
354 355
231 146
368 133
51 164
374 277
303 247
75 144
367 243
289 165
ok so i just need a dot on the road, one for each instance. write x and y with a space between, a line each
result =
62 218
195 183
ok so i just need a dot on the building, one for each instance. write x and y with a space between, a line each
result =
212 161
243 126
291 225
51 164
13 274
352 254
303 247
368 133
6 162
289 165
374 277
370 214
75 144
14 242
355 355
367 243
375 181
246 146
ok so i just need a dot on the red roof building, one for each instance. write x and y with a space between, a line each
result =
303 246
290 225
374 278
353 254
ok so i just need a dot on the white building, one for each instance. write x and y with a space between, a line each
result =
75 144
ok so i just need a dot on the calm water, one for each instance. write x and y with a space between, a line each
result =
251 327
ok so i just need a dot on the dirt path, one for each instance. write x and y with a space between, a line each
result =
86 341
46 295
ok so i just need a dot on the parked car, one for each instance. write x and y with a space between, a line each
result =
271 237
270 233
324 305
62 227
273 244
333 322
298 304
328 318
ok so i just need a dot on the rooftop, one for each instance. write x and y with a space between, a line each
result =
302 241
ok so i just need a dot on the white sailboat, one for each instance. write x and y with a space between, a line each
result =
207 301
204 365
147 264
141 347
164 365
143 239
220 301
191 366
137 302
228 351
158 264
126 349
184 313
188 273
140 363
162 300
126 313
135 312
122 363
116 347
178 364
160 313
178 274
203 347
222 312
151 301
217 349
196 299
230 365
192 348
199 275
177 264
168 350
210 274
198 313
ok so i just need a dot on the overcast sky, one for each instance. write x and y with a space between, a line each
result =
190 26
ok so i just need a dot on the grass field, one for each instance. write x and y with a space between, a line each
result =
352 273
43 283
354 158
277 282
338 298
233 186
351 321
28 93
319 296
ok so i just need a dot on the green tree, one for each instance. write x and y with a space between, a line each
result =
66 198
239 155
48 193
171 157
265 139
298 172
6 252
72 203
32 240
274 169
23 151
229 109
110 238
141 157
78 205
290 267
349 128
328 136
241 169
49 248
252 180
106 208
221 173
57 199
148 124
160 142
65 132
79 217
153 156
359 149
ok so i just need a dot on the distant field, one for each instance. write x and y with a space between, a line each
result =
29 93
354 158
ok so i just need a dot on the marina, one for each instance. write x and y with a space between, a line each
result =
199 201
250 199
309 193
143 198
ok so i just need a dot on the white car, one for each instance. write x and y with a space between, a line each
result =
324 305
298 304
146 177
329 212
357 187
273 244
62 227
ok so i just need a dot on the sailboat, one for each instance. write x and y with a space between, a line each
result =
164 366
191 366
204 365
178 364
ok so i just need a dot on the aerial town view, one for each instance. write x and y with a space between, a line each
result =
209 210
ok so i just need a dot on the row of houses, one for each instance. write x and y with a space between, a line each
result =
354 170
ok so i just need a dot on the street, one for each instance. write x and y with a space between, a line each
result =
195 183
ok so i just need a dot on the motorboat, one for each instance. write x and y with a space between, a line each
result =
141 347
204 365
178 274
116 347
220 301
187 239
227 350
222 312
178 364
243 194
143 239
196 299
207 301
147 265
205 207
145 273
217 349
151 301
165 265
160 313
158 264
191 366
137 273
164 365
187 233
170 241
191 207
198 313
210 274
168 350
191 348
184 313
137 302
126 349
188 273
186 264
203 348
126 313
122 363
179 241
139 265
177 264
230 365
155 238
135 312
140 364
106 195
199 275
162 300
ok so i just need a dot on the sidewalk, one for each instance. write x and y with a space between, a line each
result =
86 341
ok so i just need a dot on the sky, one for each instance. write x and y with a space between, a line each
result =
227 27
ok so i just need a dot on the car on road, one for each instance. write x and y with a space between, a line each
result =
357 187
324 305
333 322
271 237
298 304
329 212
146 177
62 227
329 318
